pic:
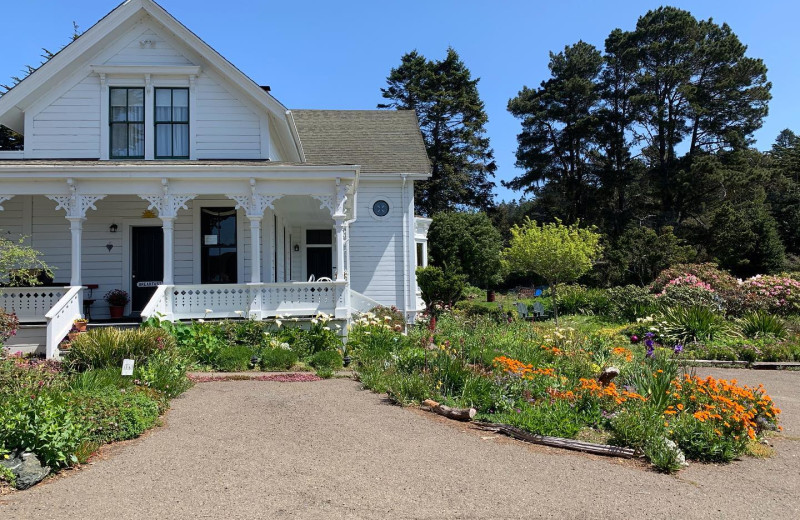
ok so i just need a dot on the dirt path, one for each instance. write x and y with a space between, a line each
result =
248 449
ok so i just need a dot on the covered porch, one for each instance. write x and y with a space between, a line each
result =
185 241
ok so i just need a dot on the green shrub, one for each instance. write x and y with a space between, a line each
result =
699 441
577 299
652 379
324 372
165 371
473 308
689 296
630 302
42 423
440 286
235 358
106 347
249 333
682 325
759 324
113 415
99 379
277 359
327 359
643 429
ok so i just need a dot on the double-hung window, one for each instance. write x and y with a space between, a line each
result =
127 123
172 123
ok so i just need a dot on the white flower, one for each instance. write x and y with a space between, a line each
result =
314 321
201 320
337 326
279 316
326 328
387 318
278 323
285 346
209 311
238 313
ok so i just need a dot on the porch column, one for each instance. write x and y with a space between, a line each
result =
340 267
76 205
167 204
76 231
255 247
424 253
168 227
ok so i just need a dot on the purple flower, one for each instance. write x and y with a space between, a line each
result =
651 351
649 335
678 349
648 343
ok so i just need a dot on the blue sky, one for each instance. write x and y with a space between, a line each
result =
337 54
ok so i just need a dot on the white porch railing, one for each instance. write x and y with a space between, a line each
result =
61 318
361 303
263 300
30 304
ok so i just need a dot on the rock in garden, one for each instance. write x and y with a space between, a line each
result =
26 468
608 375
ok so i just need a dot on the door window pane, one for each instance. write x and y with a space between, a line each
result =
218 260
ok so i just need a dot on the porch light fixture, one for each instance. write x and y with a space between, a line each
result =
113 228
296 248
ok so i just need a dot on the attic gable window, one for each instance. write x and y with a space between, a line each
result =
172 123
127 123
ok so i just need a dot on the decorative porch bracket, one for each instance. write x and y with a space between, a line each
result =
254 205
76 205
4 198
167 204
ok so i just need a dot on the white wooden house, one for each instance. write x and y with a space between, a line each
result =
153 165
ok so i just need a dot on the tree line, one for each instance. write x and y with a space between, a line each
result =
649 140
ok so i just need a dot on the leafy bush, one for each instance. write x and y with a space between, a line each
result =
326 359
555 418
235 358
319 338
8 325
577 299
473 308
116 414
165 371
690 295
107 346
643 429
717 280
100 379
43 423
277 359
759 324
440 286
248 332
630 302
682 325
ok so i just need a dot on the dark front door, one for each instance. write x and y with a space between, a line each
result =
147 264
218 261
319 257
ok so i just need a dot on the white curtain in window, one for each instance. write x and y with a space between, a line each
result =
164 140
180 140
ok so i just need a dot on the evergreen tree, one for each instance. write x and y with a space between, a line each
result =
452 118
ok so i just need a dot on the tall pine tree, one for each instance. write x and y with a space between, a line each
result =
452 118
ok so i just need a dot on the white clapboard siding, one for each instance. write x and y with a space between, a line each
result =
148 48
226 127
376 246
70 126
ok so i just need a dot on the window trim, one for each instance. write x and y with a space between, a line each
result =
372 202
127 123
172 124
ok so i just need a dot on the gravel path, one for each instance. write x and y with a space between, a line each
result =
326 449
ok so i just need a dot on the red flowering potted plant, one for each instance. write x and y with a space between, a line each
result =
117 299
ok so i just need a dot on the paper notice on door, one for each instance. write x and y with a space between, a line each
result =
210 240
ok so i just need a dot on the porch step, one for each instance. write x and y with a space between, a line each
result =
29 339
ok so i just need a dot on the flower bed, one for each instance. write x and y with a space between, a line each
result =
63 412
544 380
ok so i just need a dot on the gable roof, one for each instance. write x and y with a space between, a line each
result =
14 102
380 141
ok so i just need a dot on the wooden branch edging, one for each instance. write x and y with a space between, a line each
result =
558 442
458 414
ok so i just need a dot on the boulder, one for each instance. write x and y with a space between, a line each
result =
26 467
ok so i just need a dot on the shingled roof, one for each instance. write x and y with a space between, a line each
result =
381 141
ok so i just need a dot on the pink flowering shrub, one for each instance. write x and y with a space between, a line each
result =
8 325
718 280
687 280
776 294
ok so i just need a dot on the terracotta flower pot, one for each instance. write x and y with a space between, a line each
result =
116 311
81 326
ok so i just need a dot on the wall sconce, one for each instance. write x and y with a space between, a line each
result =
296 248
109 246
113 228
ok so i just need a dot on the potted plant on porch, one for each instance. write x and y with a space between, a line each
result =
117 299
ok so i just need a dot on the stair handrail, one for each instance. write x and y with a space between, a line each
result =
61 317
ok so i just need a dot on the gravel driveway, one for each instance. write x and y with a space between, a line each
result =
327 449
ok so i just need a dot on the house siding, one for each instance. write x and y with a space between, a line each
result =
70 126
376 246
226 127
